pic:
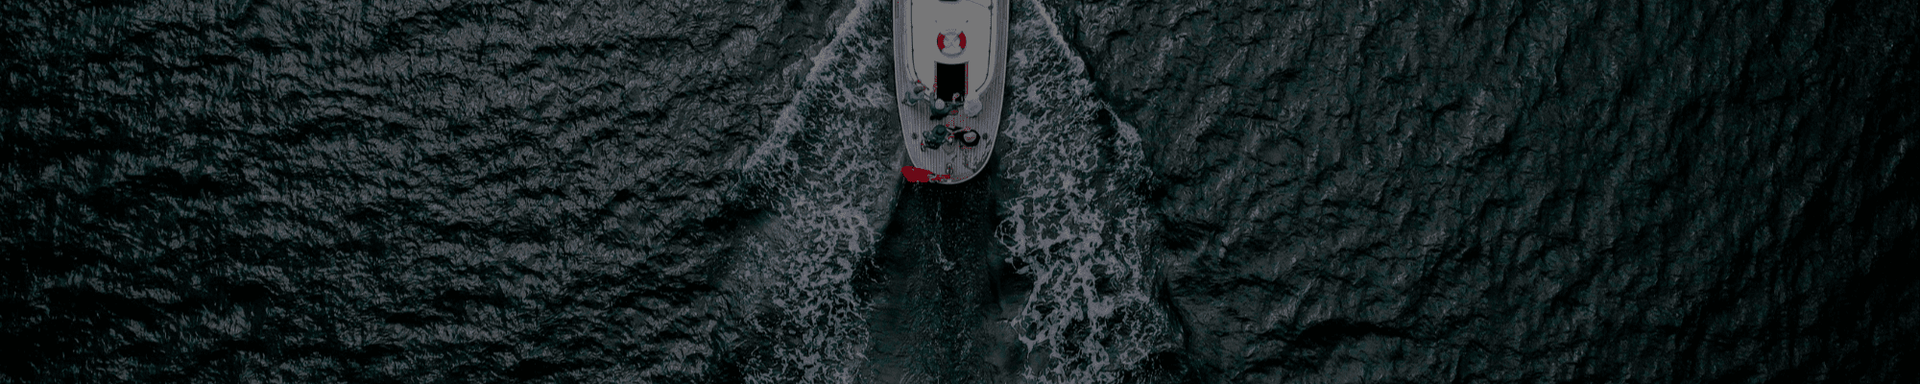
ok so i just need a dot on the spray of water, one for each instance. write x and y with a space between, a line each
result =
1076 226
830 180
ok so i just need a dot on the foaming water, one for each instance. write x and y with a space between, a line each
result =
1076 226
828 174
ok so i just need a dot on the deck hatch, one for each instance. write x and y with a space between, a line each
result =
950 80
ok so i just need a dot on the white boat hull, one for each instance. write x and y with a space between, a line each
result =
933 41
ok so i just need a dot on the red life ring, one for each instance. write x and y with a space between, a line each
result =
941 41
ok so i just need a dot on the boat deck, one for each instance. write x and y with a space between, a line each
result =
938 43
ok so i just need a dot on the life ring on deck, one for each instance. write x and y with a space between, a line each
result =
959 42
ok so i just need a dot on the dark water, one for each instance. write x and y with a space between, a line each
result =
1190 192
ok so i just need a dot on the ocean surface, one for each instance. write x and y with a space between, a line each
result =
1185 192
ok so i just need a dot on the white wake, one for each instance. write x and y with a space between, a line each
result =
1077 227
829 183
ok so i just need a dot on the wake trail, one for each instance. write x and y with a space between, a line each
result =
1076 226
828 181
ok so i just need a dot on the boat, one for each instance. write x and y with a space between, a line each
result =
950 64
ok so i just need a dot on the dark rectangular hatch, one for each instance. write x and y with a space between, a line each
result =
950 80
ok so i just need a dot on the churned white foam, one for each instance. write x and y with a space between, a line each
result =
828 184
1076 227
